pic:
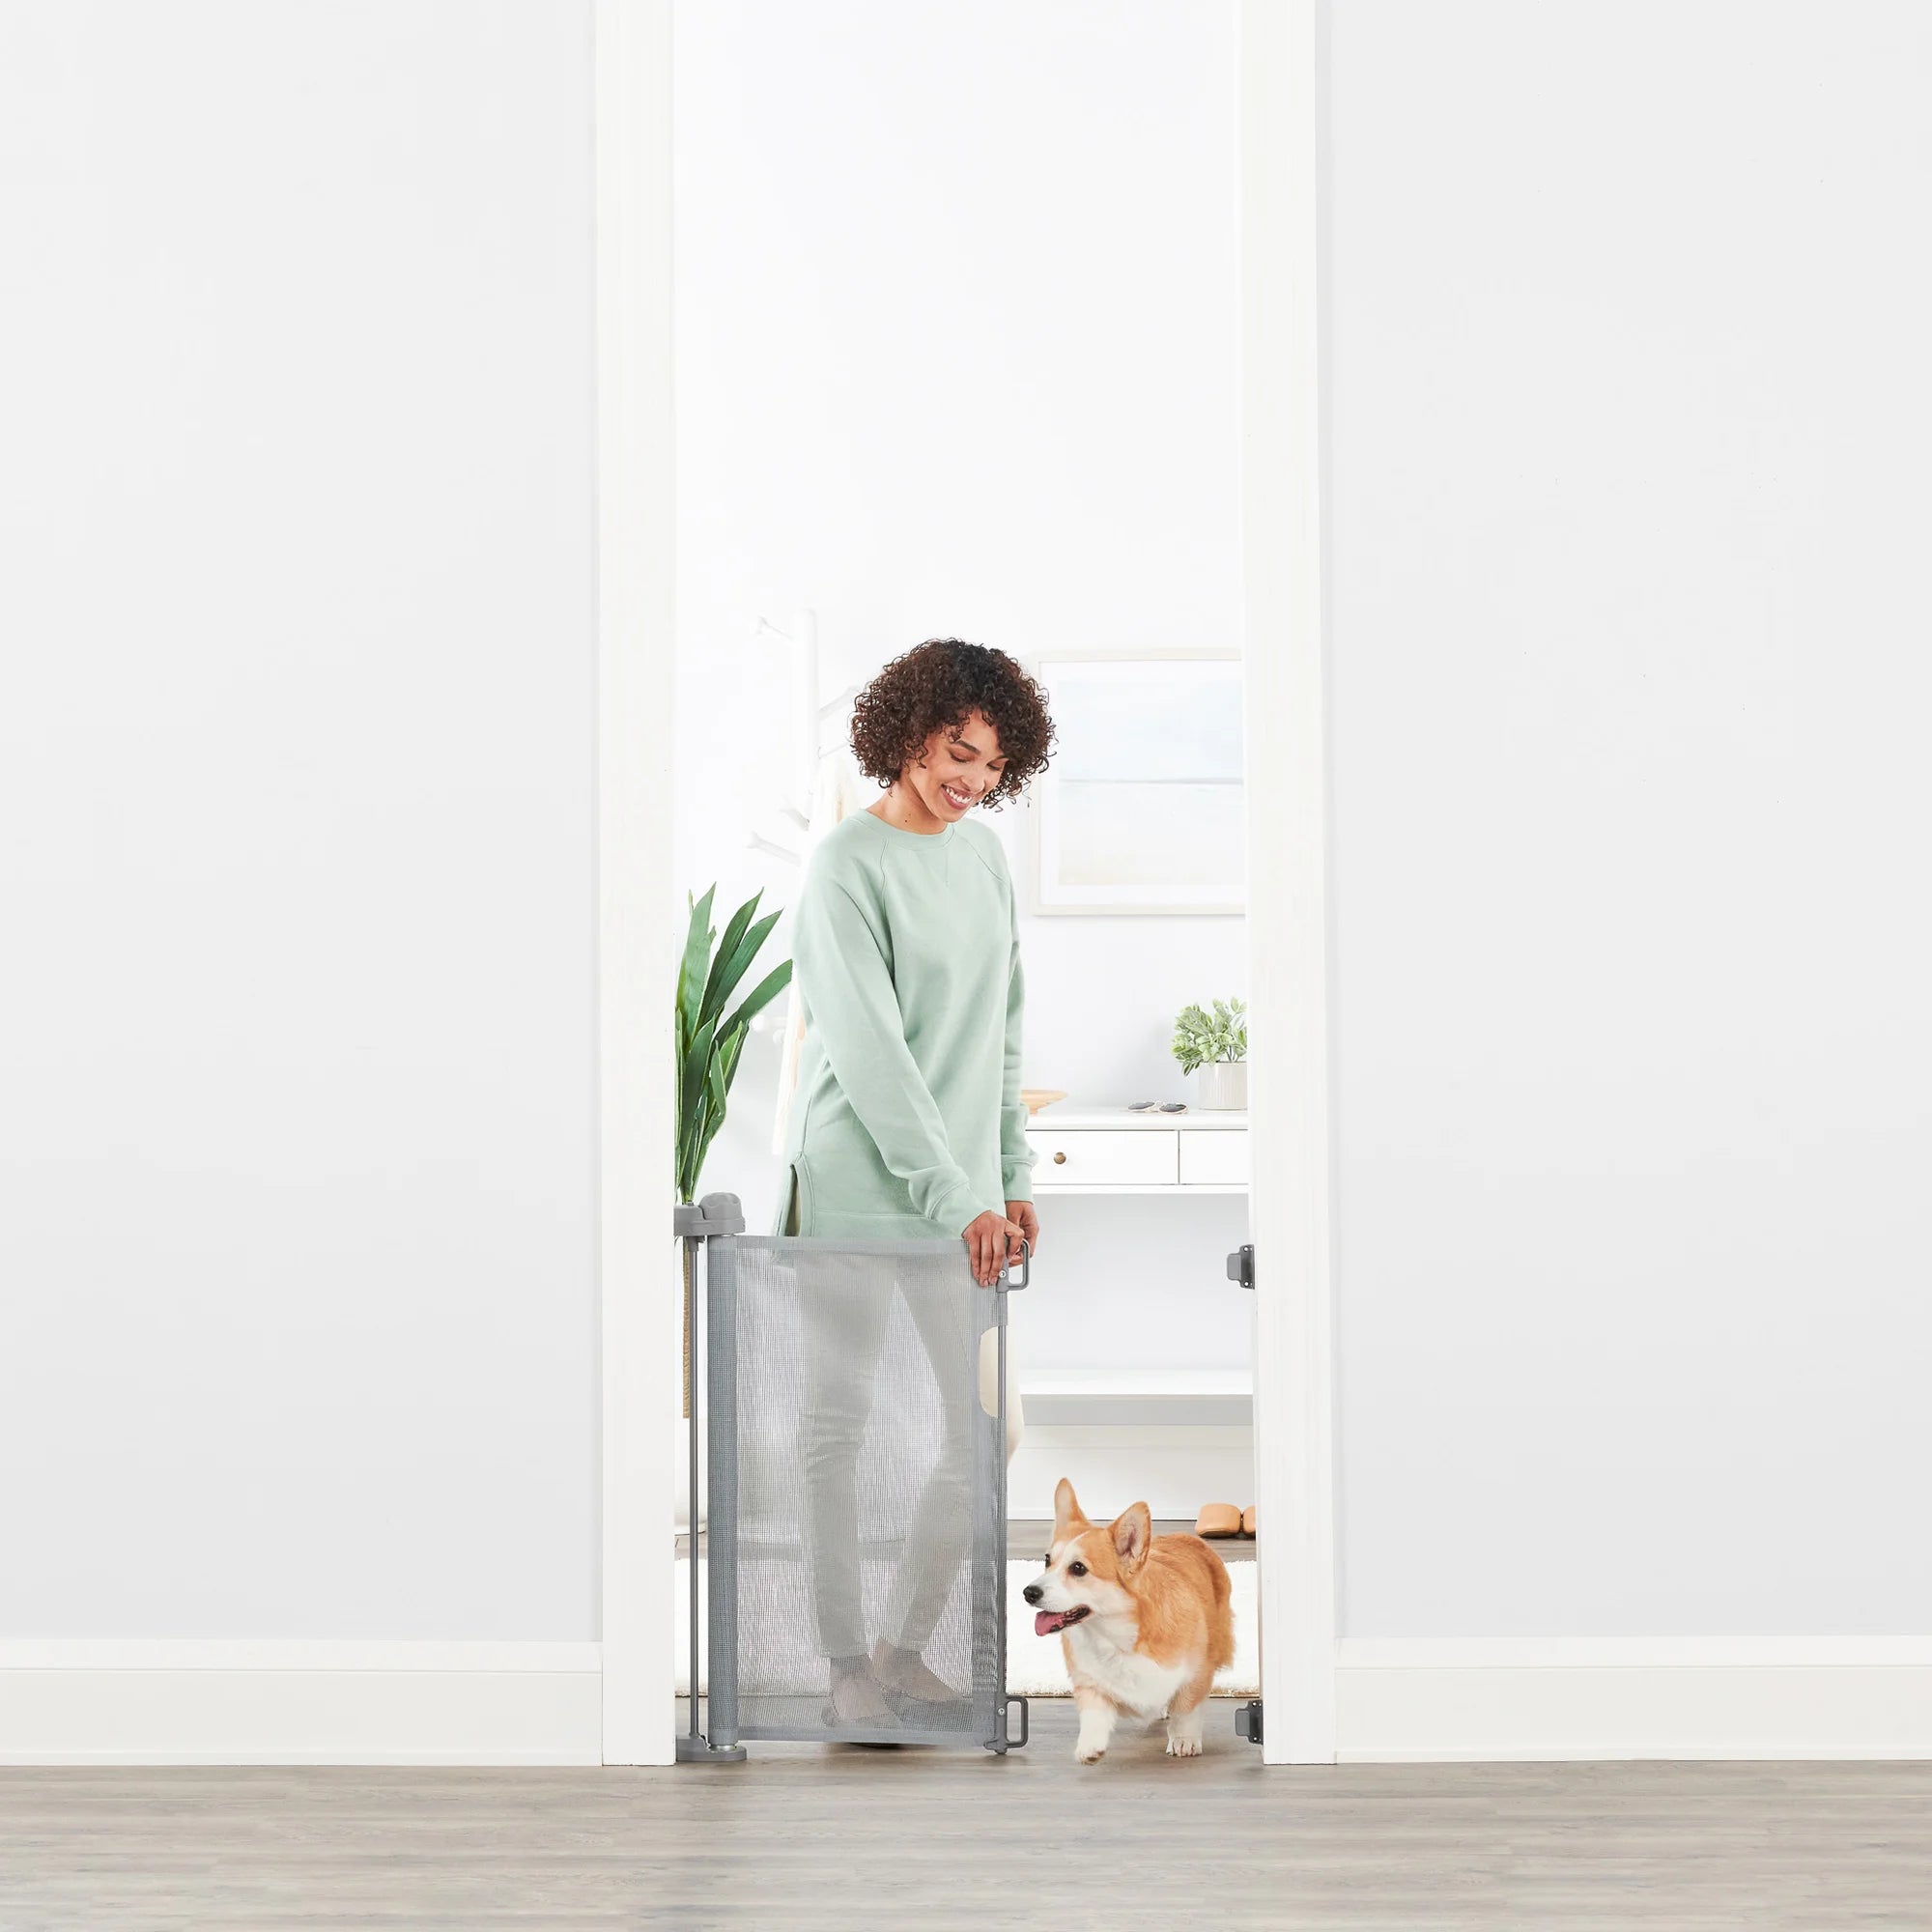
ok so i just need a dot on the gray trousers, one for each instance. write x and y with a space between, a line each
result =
845 1304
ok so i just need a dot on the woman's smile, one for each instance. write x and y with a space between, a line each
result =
921 799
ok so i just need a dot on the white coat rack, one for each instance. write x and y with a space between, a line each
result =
811 723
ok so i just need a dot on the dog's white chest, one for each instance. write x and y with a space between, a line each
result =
1134 1682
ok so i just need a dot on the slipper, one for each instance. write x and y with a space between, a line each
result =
1219 1519
1248 1521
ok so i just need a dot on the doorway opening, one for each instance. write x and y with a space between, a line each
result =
1054 503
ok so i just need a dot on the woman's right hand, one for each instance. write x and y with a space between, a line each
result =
990 1239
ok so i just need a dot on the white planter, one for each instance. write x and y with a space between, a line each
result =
1221 1086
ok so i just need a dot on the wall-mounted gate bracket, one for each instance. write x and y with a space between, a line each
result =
696 1221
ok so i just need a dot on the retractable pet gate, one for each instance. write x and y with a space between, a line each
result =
857 1486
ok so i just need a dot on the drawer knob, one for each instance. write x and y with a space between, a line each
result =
1060 1160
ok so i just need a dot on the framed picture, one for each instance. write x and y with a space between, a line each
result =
1141 810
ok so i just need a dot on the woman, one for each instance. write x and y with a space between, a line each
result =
907 1121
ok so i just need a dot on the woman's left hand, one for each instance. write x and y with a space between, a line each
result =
1022 1212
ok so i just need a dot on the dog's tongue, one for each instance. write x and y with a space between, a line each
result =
1046 1622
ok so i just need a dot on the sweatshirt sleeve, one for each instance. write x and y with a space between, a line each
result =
841 969
1017 1151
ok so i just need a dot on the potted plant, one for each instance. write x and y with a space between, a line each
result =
1213 1045
709 1042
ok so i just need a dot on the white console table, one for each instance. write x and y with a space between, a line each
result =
1109 1150
1178 1436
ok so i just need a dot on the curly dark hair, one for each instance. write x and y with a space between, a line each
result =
938 683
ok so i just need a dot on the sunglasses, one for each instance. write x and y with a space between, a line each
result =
1158 1107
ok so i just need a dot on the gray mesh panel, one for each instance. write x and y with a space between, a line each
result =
857 1483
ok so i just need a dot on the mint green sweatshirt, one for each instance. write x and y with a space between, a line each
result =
907 1121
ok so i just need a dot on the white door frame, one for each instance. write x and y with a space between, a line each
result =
1288 924
1285 730
639 1284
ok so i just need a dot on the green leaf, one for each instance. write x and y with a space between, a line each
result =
720 1080
762 994
709 1045
696 951
727 946
691 1089
730 968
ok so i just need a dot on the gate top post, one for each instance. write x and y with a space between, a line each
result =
714 1214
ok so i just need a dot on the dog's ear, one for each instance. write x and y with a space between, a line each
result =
1066 1510
1133 1531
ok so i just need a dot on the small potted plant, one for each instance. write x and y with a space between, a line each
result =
1213 1045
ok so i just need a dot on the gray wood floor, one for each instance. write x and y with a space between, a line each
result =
808 1838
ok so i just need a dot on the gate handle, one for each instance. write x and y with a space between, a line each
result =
1026 1267
1005 1721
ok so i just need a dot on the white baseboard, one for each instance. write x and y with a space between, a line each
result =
274 1702
1542 1700
1398 1701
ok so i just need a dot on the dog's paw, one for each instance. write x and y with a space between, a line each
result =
1183 1746
1089 1754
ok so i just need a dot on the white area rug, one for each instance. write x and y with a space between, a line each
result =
1034 1665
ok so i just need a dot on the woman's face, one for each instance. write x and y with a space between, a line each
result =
961 763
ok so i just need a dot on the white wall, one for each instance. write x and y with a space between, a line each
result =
957 292
297 1305
1627 322
298 1331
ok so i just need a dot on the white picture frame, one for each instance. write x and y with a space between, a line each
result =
1144 785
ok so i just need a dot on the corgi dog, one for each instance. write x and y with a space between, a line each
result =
1143 1622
